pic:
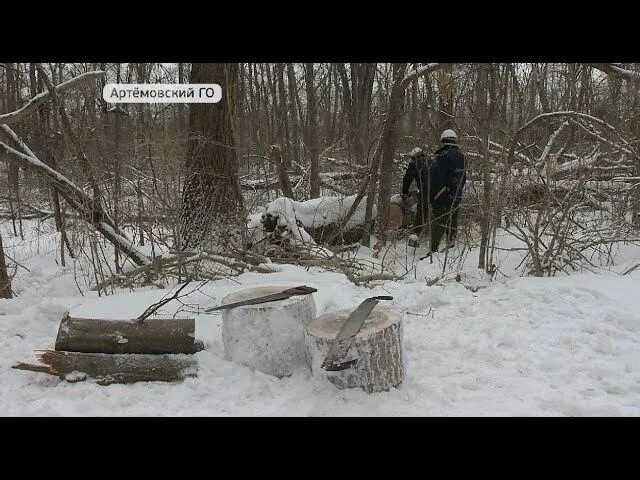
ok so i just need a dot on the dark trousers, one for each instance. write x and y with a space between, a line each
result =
444 221
421 218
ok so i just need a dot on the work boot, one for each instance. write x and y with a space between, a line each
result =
429 254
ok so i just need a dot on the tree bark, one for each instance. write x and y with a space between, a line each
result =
446 97
13 171
113 368
482 119
312 131
389 139
293 110
377 347
211 194
154 335
275 155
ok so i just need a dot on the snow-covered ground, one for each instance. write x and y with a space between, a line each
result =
520 346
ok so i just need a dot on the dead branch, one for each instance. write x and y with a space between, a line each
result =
32 105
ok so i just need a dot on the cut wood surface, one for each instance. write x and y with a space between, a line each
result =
268 337
377 346
154 335
113 368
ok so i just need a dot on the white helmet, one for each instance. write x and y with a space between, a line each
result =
448 135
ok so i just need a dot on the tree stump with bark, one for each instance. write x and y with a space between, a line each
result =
377 346
268 337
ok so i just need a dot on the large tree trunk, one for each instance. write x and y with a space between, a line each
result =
389 138
211 195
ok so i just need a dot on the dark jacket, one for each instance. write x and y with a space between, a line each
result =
416 170
446 170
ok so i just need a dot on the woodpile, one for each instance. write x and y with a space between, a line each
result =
121 351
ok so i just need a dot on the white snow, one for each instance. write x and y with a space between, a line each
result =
565 346
320 211
126 243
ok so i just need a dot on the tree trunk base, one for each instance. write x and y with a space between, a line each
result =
377 346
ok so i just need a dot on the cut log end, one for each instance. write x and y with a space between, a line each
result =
268 337
377 348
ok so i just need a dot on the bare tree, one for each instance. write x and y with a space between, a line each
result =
312 131
212 190
389 138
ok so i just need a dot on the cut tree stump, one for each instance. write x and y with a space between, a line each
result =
113 368
268 337
377 346
154 335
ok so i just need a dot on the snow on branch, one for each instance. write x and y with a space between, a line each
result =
552 138
32 105
29 160
566 113
89 208
502 148
616 70
419 72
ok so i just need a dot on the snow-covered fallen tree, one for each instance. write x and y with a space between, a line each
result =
313 221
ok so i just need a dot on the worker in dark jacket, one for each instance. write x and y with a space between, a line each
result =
417 171
446 180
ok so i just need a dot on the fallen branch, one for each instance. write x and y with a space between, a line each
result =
153 308
32 105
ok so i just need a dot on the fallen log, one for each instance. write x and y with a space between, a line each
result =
108 368
320 219
153 336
